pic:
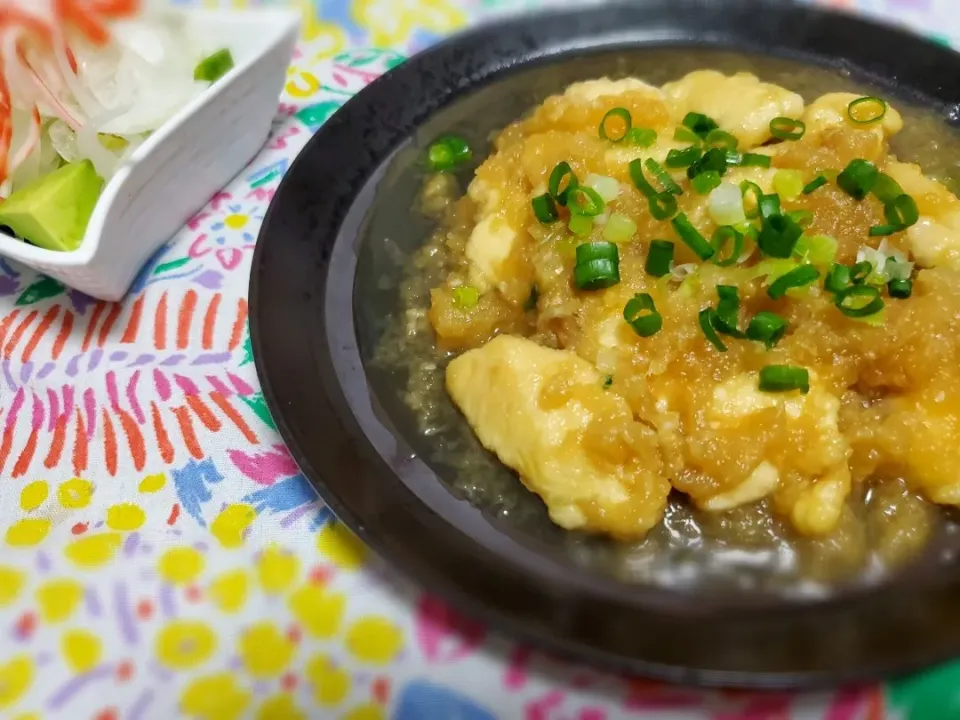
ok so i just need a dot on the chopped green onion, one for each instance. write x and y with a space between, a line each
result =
466 296
779 236
706 181
802 217
580 225
641 314
619 228
784 128
707 318
532 299
819 249
598 266
663 177
617 113
901 289
768 328
769 205
545 209
659 258
584 200
788 184
607 381
801 277
641 137
692 237
699 123
884 230
448 152
720 139
597 251
663 206
818 182
867 110
860 272
902 211
713 160
858 178
747 187
784 378
719 241
838 279
726 317
639 179
886 189
755 160
560 172
683 158
685 134
858 301
213 67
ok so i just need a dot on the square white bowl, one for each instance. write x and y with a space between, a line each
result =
182 164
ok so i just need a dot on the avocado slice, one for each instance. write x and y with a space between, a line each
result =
52 212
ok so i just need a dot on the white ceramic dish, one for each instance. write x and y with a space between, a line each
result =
184 163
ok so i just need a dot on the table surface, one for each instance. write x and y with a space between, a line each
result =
163 557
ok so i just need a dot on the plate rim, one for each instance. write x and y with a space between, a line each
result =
357 106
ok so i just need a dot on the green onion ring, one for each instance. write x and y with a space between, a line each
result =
800 277
818 182
875 108
784 378
706 318
900 289
747 187
768 328
663 177
838 279
641 314
659 258
720 238
846 301
545 209
586 201
618 112
556 177
784 128
692 237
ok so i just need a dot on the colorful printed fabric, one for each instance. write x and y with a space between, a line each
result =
163 557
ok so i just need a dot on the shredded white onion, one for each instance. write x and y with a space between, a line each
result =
726 205
607 187
680 272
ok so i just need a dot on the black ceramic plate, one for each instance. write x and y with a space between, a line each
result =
323 288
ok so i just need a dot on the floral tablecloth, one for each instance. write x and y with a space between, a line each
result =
163 557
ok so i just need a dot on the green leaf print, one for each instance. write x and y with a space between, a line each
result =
316 115
172 265
259 406
43 288
935 695
247 350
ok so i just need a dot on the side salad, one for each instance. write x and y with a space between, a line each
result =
82 85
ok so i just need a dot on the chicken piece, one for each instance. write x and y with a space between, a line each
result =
830 111
547 415
935 239
923 433
806 470
492 240
589 91
489 247
741 104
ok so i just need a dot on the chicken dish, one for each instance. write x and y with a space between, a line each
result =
710 288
